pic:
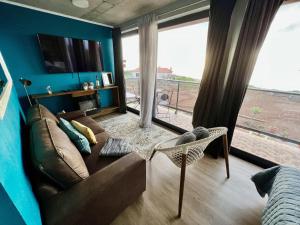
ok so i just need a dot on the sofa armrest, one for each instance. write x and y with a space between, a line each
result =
72 115
102 196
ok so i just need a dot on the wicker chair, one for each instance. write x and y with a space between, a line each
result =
186 154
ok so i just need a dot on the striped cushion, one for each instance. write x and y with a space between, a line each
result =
282 184
116 147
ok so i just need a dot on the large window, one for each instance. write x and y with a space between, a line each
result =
268 125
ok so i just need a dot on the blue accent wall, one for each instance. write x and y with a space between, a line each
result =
19 46
17 201
8 211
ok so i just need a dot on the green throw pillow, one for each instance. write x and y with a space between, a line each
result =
80 141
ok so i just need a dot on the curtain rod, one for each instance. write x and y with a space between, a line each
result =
174 11
183 7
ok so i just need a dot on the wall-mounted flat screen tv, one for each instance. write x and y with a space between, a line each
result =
67 55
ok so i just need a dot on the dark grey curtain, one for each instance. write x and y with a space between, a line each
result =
258 17
119 73
209 98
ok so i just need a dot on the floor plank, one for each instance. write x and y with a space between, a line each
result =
209 198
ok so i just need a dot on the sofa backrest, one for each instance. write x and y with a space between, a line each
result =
38 112
58 162
54 155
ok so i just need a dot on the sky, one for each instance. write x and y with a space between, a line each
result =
278 63
183 49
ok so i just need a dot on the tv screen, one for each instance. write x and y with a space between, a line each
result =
57 52
66 55
88 55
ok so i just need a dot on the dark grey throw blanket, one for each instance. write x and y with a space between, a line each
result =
282 184
116 147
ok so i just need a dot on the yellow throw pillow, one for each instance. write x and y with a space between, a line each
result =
86 131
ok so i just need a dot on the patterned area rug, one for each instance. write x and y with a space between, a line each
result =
143 139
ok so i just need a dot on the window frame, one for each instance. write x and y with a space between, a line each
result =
201 16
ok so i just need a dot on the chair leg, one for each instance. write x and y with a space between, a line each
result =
152 155
226 153
182 178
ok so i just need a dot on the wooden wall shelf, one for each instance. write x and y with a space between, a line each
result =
81 93
74 93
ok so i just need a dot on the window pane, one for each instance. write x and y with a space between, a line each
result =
269 120
130 47
181 55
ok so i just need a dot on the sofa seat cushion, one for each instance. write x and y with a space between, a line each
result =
38 112
89 122
54 155
94 162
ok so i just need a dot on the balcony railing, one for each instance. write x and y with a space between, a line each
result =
183 93
269 112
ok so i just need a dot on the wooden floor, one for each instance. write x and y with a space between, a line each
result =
209 198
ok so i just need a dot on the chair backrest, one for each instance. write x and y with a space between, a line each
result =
164 97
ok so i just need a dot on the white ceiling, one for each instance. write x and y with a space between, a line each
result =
110 12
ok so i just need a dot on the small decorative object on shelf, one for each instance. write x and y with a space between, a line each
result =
97 82
85 86
49 90
107 79
91 86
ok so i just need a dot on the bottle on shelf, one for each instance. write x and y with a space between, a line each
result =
97 82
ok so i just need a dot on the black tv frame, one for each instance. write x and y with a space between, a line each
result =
75 59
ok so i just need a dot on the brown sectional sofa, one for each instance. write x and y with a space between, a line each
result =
79 189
